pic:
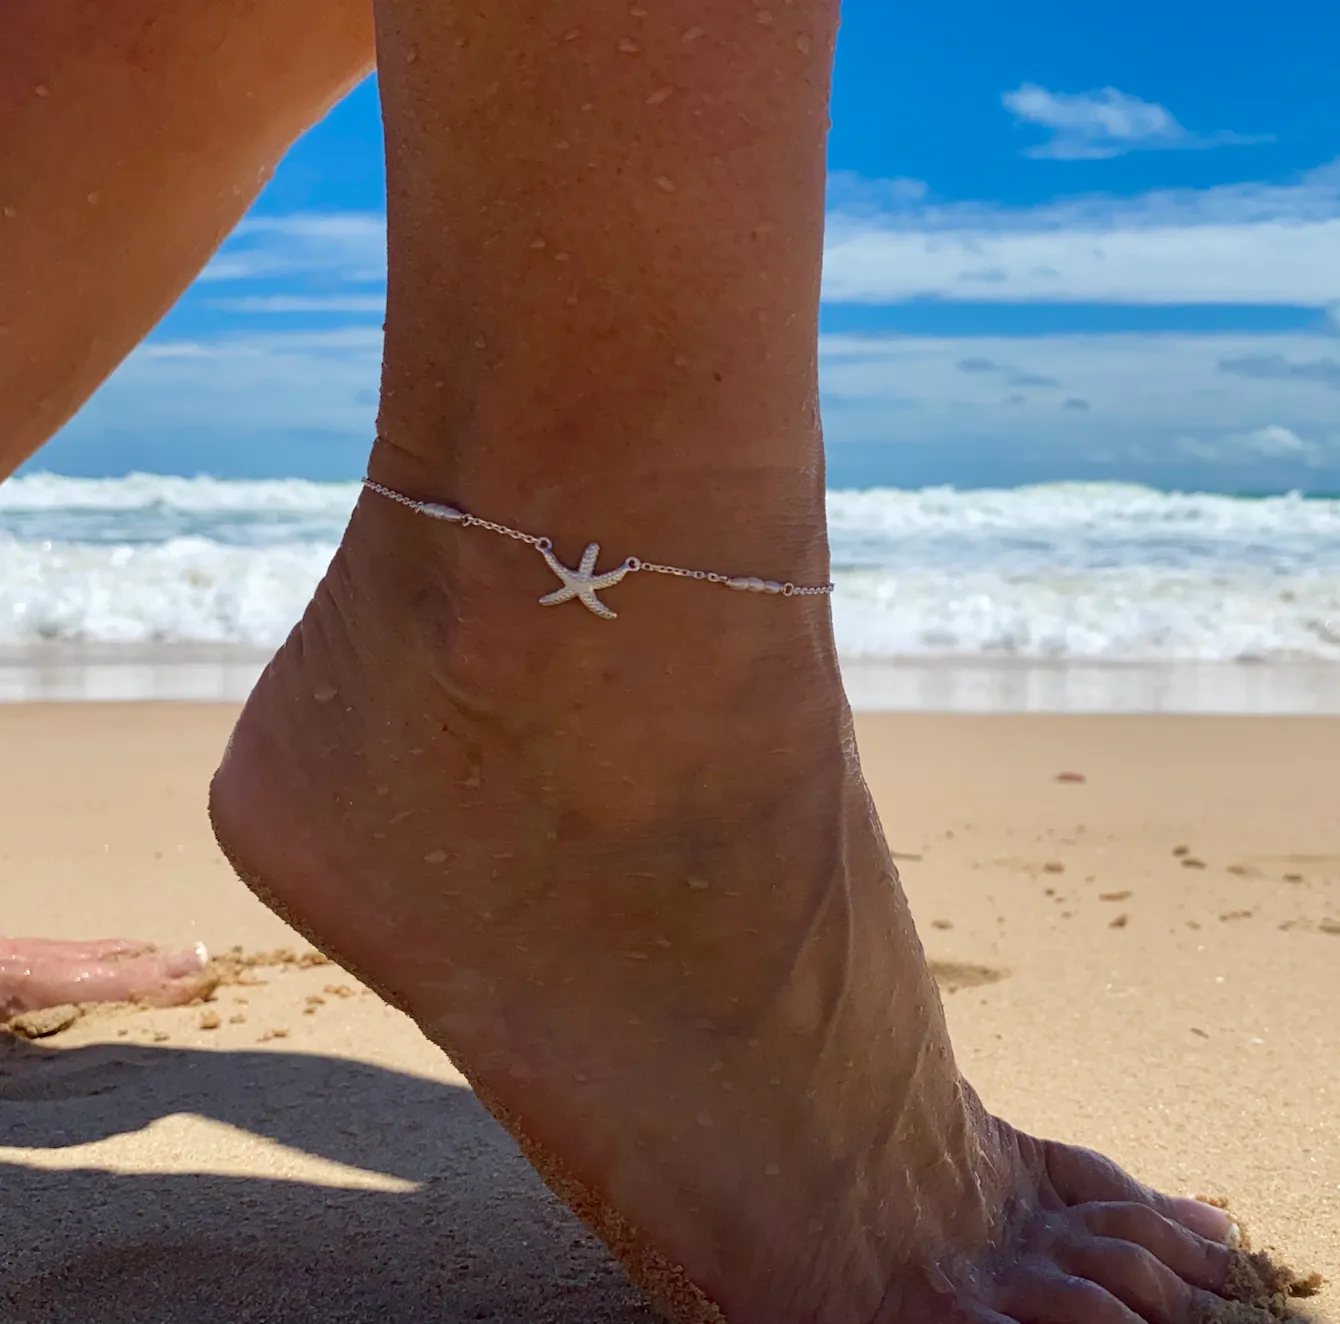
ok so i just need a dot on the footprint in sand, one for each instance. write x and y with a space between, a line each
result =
952 976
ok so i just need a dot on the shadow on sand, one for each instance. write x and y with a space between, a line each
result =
479 1239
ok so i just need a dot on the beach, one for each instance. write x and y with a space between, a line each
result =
1136 921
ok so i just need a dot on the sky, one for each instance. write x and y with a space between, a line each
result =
1065 243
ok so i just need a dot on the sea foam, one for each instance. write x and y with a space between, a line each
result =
1098 572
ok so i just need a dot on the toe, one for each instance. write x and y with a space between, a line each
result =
108 949
1056 1297
184 964
1133 1275
174 978
1081 1176
156 978
1198 1260
1207 1220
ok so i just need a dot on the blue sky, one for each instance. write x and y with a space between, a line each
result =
1065 242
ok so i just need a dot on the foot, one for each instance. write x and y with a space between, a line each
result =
37 973
628 875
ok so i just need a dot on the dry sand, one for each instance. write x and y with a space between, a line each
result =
1146 961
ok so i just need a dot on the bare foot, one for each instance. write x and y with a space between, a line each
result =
638 892
39 972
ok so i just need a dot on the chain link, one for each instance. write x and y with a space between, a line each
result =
392 495
474 522
633 565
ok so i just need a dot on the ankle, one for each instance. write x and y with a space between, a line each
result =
729 522
698 506
691 679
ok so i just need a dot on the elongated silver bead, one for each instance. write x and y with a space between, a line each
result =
448 513
740 582
771 586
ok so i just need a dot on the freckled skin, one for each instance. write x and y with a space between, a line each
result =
627 871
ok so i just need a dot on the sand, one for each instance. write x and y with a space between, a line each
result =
1146 960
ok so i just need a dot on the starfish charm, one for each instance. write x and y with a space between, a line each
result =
582 583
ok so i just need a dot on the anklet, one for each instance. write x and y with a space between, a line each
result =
583 583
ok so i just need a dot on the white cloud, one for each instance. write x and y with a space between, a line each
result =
1245 243
1089 126
1274 440
240 385
351 246
1142 391
1271 442
296 303
1323 371
856 195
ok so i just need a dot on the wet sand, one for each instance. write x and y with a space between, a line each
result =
1146 960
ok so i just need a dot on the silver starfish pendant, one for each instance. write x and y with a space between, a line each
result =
583 583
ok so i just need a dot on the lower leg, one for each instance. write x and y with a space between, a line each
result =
603 282
133 136
628 871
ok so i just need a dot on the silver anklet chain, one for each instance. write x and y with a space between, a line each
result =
583 583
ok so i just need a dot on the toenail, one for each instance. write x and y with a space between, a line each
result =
1234 1239
1209 1220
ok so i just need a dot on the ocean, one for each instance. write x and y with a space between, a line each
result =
1072 574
